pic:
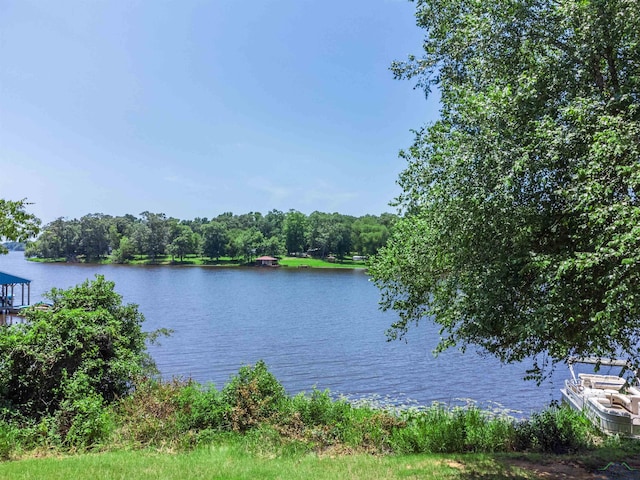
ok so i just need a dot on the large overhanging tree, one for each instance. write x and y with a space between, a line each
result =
16 224
521 218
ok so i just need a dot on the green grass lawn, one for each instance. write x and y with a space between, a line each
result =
224 462
294 262
227 262
319 263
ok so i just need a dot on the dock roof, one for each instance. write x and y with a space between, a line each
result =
7 279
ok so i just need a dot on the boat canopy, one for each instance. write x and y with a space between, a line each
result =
612 362
7 285
7 279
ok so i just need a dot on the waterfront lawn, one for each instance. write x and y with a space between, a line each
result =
47 260
231 462
319 263
295 262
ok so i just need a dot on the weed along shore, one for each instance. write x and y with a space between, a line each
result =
252 429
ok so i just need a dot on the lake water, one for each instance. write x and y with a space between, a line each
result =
312 327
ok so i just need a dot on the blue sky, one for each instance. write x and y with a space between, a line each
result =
195 108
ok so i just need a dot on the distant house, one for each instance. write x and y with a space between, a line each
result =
266 261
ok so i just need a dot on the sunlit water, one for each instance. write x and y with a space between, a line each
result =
313 328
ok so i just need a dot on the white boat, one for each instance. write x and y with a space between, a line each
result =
611 402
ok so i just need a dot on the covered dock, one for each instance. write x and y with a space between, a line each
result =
267 261
8 284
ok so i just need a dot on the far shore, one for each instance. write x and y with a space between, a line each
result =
191 260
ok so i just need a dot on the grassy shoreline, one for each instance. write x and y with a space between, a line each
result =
252 429
286 262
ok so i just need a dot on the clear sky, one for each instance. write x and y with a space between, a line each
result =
195 108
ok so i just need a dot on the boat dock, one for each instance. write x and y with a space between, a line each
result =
8 284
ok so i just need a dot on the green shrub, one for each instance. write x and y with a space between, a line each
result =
253 412
319 408
557 429
202 408
7 440
19 435
442 430
178 413
489 433
89 332
435 430
148 416
82 420
368 429
253 396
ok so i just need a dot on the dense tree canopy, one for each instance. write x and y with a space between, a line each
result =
95 237
521 219
16 224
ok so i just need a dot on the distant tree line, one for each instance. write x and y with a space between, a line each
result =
96 237
14 246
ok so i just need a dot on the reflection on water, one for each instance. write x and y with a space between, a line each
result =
313 328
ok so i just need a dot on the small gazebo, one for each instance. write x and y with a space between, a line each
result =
7 285
266 261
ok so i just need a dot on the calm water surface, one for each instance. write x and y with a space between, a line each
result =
312 327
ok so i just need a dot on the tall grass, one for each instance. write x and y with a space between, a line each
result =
253 411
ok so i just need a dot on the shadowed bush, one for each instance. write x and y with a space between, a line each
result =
558 429
442 430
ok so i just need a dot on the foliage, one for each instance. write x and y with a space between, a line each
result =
15 223
175 412
94 236
244 244
329 233
81 419
369 235
253 396
521 217
183 243
157 234
442 430
125 239
295 225
558 429
215 238
70 361
319 408
125 251
253 410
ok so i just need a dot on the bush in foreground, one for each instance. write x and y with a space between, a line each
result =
254 410
62 367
